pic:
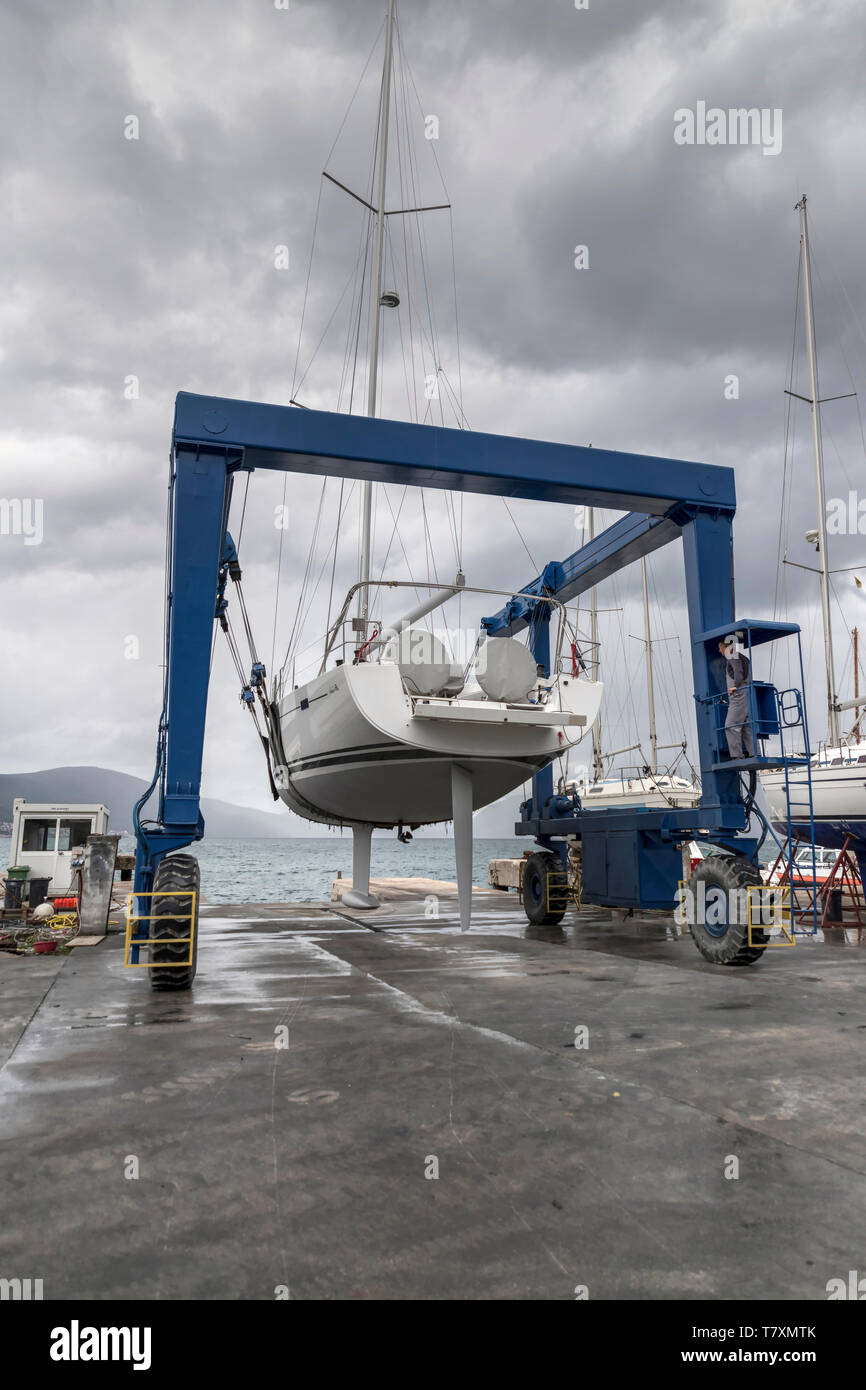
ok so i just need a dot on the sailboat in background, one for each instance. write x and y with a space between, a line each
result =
645 784
393 732
838 766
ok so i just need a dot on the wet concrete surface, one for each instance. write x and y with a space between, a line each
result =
262 1167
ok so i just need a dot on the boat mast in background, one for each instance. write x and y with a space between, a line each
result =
654 742
597 753
828 808
855 732
597 759
815 411
375 311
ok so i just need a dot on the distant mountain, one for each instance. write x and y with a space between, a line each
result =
119 792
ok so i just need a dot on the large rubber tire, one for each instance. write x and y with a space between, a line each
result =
545 890
178 875
722 937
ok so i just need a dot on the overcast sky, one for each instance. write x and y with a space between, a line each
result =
154 258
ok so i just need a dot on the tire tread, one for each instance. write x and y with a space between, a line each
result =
552 874
729 872
179 875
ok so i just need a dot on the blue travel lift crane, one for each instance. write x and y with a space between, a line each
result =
631 857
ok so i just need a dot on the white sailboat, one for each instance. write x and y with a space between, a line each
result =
837 765
645 784
392 732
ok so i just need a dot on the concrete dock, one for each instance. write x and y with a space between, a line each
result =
173 1147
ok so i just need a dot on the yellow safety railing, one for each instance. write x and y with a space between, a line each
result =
144 941
757 894
785 922
559 896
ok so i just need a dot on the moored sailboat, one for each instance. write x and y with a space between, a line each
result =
645 783
838 775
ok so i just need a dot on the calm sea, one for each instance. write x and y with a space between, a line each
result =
301 870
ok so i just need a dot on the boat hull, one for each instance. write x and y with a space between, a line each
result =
838 804
649 792
356 752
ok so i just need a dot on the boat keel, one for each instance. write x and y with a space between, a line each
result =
359 894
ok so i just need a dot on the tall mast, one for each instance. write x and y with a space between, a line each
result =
815 409
597 764
649 669
375 307
855 732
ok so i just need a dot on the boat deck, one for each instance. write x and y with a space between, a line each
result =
305 1167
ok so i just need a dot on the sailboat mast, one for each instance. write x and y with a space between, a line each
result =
597 763
375 307
815 409
855 732
649 669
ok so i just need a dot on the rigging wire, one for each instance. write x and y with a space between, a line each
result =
243 512
532 560
373 47
336 548
851 310
306 289
422 336
295 385
403 548
311 646
350 280
297 625
841 346
671 684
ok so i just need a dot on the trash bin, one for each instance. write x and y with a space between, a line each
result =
16 876
38 891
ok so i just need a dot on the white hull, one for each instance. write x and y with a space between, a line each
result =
654 792
838 793
360 750
838 796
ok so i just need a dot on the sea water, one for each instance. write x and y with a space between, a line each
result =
302 869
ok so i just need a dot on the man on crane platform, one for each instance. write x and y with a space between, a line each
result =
737 669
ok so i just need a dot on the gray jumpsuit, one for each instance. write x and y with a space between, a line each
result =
737 730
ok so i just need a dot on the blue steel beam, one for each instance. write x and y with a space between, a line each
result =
539 644
390 451
626 540
200 497
708 550
201 500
